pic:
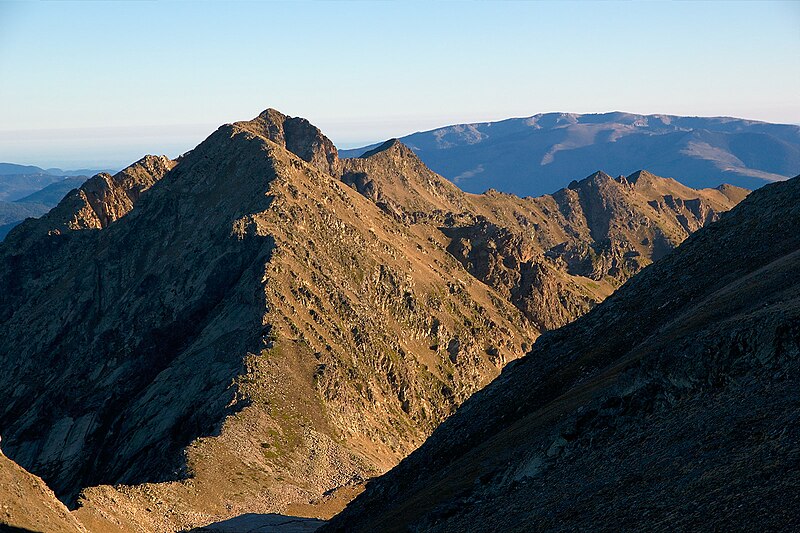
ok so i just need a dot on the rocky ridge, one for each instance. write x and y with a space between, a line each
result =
554 256
339 310
672 405
326 334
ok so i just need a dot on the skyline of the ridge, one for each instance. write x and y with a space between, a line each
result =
341 146
135 78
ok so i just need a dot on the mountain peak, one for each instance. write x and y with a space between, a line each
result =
271 113
640 175
392 145
268 123
598 177
392 176
297 135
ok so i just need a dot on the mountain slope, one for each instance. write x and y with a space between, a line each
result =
674 404
28 505
246 295
539 154
260 326
553 256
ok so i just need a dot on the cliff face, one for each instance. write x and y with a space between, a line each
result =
261 326
673 404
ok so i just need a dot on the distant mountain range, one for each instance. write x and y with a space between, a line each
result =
9 169
53 193
30 191
543 153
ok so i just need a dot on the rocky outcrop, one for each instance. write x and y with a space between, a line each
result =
671 405
298 136
102 199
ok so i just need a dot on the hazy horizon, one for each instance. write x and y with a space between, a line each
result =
158 77
178 139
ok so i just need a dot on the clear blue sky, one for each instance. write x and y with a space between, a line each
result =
101 83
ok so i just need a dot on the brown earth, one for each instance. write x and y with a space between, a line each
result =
28 505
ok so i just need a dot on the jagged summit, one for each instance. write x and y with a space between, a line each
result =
391 144
596 178
640 175
644 180
396 152
298 136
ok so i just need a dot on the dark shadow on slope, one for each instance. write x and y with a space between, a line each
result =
146 400
5 528
262 523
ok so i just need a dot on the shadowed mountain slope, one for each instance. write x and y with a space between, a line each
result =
260 326
539 154
673 404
